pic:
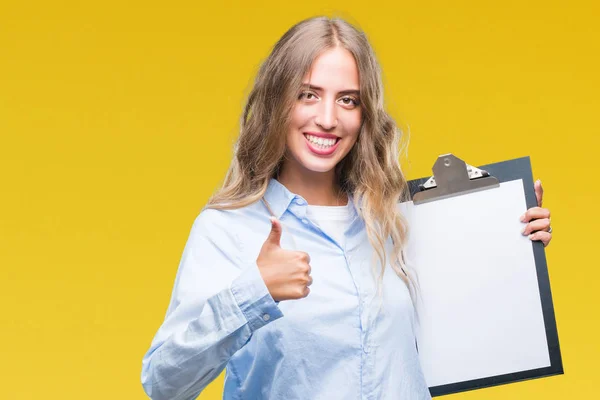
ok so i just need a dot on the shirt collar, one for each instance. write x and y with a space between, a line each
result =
280 197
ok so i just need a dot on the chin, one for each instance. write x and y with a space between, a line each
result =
316 165
319 168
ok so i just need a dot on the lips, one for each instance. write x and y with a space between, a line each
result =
322 135
322 152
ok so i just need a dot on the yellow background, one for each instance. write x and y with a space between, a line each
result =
117 122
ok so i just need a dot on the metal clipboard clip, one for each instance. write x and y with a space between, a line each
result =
453 177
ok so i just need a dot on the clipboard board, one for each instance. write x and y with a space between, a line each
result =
486 315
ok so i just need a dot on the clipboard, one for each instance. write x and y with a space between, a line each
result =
511 334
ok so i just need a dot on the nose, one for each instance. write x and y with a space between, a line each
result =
326 116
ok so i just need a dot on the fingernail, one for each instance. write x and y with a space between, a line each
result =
531 236
522 218
539 181
523 231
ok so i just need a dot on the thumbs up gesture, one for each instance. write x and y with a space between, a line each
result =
286 273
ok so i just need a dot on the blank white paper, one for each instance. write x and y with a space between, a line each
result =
480 310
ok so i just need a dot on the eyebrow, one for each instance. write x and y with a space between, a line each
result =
317 88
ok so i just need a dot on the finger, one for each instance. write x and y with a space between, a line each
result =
535 213
536 225
310 281
304 256
539 192
274 237
543 236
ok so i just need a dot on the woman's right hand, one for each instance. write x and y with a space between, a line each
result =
286 273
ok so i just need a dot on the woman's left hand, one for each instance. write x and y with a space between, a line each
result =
538 218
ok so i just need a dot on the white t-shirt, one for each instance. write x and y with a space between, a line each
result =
333 220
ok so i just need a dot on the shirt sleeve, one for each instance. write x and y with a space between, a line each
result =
218 301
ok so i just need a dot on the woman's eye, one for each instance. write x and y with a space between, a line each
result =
349 101
307 95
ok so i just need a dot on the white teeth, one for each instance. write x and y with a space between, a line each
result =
320 142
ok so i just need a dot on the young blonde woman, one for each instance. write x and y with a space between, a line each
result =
293 277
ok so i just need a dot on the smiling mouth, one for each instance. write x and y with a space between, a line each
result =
320 142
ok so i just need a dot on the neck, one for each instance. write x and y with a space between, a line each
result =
317 188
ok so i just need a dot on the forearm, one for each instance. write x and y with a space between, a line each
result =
195 353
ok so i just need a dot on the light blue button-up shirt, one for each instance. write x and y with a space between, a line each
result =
332 344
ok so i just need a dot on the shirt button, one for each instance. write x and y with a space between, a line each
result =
305 221
300 202
266 317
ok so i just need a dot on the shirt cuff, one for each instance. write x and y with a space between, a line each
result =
254 299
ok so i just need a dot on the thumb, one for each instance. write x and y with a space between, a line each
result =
275 234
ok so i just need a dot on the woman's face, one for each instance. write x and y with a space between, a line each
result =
327 116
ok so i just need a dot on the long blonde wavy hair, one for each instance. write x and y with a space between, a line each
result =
370 171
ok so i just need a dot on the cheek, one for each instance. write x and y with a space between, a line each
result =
299 119
353 124
300 116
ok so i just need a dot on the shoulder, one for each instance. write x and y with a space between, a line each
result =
212 217
218 224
